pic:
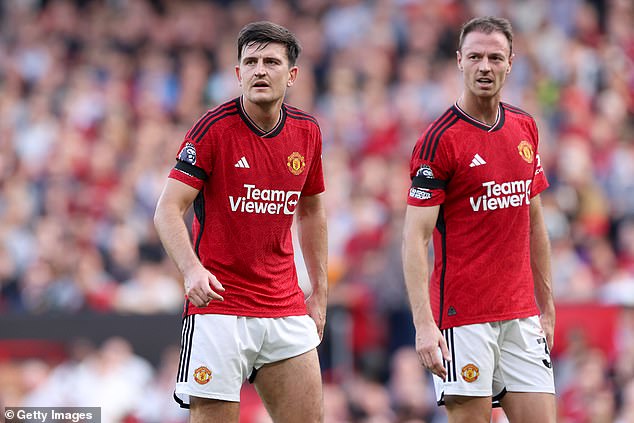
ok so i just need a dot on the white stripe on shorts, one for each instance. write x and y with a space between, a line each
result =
186 347
450 365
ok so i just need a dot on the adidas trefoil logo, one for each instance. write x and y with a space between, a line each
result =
243 163
477 161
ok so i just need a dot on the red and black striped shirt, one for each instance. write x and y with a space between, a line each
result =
250 181
483 177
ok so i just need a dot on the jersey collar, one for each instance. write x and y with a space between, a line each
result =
255 128
498 124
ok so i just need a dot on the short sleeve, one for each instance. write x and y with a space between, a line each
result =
193 160
540 182
315 178
429 173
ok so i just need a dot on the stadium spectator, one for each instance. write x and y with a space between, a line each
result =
82 79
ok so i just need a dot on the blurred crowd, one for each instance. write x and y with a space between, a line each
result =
96 96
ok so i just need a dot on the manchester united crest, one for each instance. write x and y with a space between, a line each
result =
470 373
526 151
202 375
296 163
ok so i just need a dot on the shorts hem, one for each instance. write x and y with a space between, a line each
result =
482 394
468 394
207 395
532 389
293 354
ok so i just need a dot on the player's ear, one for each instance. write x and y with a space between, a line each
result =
292 76
238 75
459 60
510 65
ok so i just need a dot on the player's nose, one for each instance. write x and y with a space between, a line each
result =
484 65
260 68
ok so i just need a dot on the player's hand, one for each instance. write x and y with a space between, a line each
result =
201 287
547 321
428 340
317 311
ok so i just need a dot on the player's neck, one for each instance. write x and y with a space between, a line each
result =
480 108
265 116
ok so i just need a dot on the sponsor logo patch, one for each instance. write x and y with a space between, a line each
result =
296 163
202 375
188 154
502 195
526 151
264 201
470 373
419 193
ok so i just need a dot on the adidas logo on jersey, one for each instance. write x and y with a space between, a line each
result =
243 163
477 161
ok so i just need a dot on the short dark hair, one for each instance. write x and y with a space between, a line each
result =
265 32
487 24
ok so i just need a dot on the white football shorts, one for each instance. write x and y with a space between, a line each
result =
490 359
219 352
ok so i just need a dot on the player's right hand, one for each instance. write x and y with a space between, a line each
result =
201 287
428 340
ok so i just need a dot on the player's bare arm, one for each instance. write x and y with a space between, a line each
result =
200 285
313 239
540 266
417 232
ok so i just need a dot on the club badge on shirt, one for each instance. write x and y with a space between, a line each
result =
296 163
526 151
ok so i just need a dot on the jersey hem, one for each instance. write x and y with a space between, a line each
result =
248 314
490 319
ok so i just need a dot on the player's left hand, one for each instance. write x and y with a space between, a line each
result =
547 321
317 311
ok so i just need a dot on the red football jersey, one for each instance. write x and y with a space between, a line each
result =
483 178
250 182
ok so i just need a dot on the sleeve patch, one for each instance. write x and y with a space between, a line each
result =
188 154
425 179
425 171
419 193
191 170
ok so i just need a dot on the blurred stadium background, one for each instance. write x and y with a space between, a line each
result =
96 95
